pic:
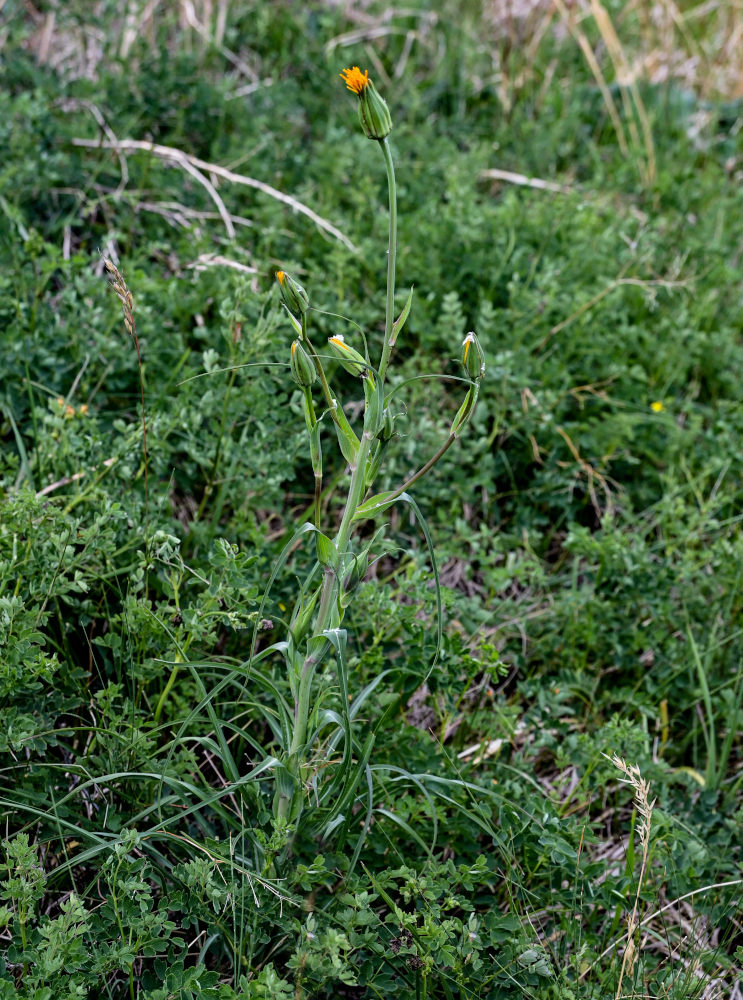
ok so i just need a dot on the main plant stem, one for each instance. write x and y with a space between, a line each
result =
327 609
327 596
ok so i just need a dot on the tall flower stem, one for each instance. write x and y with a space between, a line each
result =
327 613
391 257
325 616
326 606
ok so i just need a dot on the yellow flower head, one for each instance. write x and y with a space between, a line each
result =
374 114
355 80
280 276
657 406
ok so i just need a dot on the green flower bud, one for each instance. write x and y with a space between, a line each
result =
387 430
302 618
295 298
347 440
374 114
356 571
349 357
473 360
303 371
327 554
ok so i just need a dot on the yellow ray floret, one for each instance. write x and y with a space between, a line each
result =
466 346
340 342
355 80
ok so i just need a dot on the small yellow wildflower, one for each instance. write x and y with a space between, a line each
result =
355 80
374 114
657 406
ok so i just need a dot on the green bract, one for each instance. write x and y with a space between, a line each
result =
349 357
303 371
295 298
374 114
473 360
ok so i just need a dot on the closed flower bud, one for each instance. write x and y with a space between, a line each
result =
349 357
302 369
356 571
327 554
473 360
374 114
295 298
387 430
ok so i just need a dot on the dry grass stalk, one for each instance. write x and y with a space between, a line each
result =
585 46
644 809
627 80
66 480
189 163
510 177
118 284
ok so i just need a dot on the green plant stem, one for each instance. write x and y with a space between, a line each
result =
325 610
391 257
356 488
355 491
318 497
319 368
315 452
332 403
168 688
428 466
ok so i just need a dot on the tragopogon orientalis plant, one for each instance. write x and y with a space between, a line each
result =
315 625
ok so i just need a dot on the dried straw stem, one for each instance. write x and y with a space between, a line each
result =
644 808
198 168
118 284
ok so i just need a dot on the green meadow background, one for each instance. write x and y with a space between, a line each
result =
553 808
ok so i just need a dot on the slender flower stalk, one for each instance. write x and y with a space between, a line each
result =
391 259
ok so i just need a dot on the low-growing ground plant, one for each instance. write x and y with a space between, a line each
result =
191 805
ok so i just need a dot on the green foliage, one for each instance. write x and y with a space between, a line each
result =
459 831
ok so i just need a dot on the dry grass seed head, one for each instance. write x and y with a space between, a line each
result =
120 287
